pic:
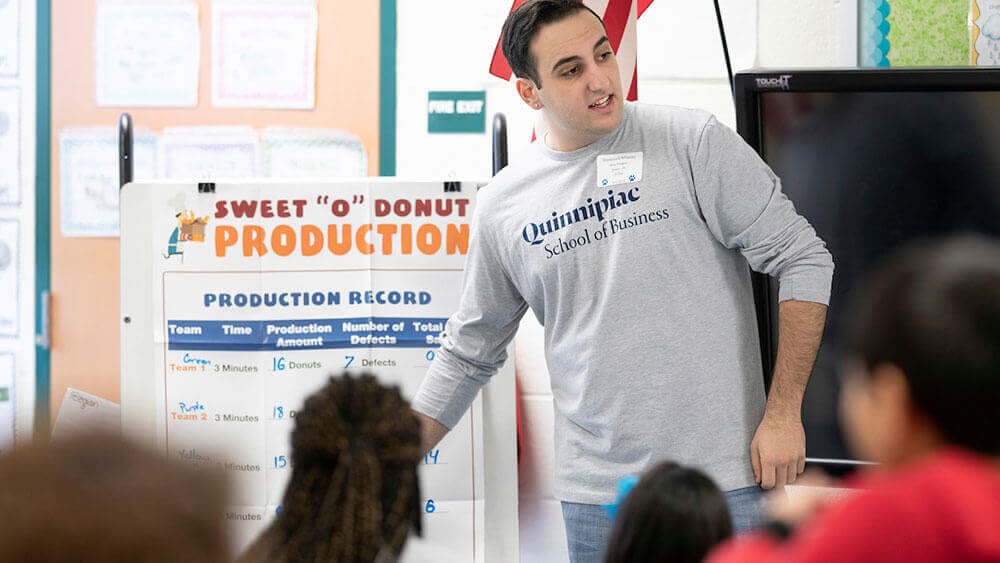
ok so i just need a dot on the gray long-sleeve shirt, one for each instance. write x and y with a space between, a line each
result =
637 268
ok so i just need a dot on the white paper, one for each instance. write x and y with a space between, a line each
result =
81 412
680 38
10 145
264 54
986 48
7 377
208 153
242 346
316 153
10 37
10 293
89 179
147 54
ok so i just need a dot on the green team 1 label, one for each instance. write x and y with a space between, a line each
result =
456 112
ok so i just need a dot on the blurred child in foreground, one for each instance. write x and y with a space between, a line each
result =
354 495
97 498
673 513
922 398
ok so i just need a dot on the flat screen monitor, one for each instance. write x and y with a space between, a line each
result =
873 159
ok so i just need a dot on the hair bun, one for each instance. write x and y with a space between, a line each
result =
354 415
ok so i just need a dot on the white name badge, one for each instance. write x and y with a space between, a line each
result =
623 168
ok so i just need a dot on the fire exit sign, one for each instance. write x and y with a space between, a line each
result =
456 112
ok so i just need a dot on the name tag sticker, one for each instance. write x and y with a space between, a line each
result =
623 168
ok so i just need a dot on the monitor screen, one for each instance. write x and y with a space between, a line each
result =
872 170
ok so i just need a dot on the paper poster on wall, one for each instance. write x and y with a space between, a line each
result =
265 290
10 37
206 153
146 54
264 54
10 145
7 378
89 181
312 153
913 33
10 276
985 32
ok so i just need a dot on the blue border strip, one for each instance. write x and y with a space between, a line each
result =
43 204
387 89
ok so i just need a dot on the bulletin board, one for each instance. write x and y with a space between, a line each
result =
239 302
85 273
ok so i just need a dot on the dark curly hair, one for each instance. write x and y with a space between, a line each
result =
353 491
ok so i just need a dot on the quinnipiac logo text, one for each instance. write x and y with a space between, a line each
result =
534 233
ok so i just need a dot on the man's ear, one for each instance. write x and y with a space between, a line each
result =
528 92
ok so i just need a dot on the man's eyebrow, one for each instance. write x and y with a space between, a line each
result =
575 58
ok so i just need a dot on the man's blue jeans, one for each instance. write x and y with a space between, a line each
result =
588 525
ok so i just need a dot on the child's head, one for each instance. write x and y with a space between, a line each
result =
925 366
97 497
673 513
353 491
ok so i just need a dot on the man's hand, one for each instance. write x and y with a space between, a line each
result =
431 431
778 450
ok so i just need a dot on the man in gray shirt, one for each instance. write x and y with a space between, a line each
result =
628 231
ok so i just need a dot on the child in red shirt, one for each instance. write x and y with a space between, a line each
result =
921 397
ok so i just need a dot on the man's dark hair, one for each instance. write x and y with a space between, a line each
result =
934 312
674 513
522 26
353 493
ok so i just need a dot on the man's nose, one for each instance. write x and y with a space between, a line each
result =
598 79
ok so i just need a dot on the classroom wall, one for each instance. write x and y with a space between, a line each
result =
85 272
437 52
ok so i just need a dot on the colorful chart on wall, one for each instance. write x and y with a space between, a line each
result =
240 300
913 33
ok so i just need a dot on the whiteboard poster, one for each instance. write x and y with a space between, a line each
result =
89 180
264 54
146 54
264 290
10 145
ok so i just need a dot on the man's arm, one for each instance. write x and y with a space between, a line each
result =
778 448
431 431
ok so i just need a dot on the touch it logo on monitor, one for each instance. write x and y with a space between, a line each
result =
775 82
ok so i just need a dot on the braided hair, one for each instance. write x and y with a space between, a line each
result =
353 493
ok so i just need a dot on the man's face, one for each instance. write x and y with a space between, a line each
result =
581 87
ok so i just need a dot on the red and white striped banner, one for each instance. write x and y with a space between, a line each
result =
620 18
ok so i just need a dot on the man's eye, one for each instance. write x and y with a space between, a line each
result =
570 71
605 56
